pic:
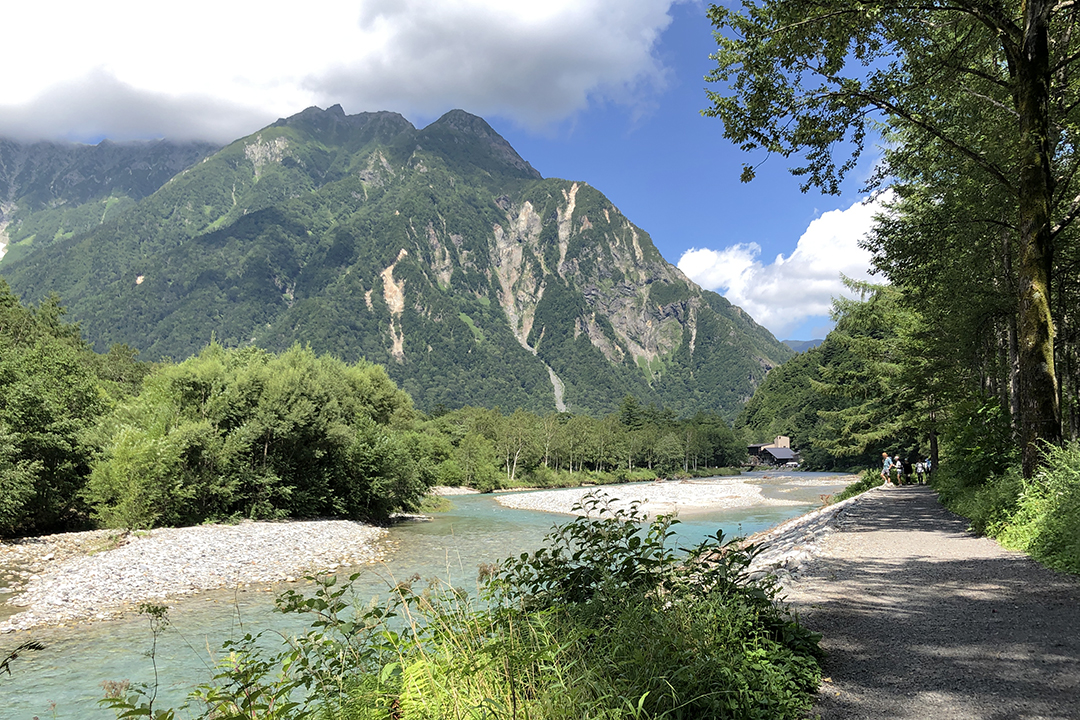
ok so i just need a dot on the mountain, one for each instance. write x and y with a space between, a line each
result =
438 252
51 191
801 346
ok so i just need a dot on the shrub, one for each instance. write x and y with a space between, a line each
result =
1040 516
1046 522
245 432
608 621
988 502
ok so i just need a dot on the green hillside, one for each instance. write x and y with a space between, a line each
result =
53 191
437 252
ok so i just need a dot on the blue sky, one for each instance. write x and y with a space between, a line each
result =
603 91
674 174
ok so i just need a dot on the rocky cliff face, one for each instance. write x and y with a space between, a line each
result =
439 252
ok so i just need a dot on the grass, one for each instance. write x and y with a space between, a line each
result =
435 504
110 542
870 479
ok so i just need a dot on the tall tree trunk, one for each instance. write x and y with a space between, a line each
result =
1012 381
933 452
1014 374
1040 414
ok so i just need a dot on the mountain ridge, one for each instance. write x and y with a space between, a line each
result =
438 252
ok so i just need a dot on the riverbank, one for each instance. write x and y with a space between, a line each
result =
78 577
668 497
96 575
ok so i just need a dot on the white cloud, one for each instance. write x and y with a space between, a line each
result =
143 69
788 291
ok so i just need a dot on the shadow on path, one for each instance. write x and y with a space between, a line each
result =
923 619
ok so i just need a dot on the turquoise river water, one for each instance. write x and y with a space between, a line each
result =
64 680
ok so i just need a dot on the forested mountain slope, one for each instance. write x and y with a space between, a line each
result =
51 191
438 252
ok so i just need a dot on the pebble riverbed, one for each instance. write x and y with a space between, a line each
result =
657 498
73 577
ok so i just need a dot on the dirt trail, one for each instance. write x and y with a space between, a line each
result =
923 619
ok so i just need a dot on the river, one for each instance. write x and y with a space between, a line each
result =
64 681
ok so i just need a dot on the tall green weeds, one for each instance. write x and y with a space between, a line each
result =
1040 516
870 479
1046 523
608 621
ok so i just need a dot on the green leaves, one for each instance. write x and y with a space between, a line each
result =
50 395
977 104
244 432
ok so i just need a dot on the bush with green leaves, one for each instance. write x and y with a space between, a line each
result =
1046 523
608 621
989 502
53 388
249 433
1040 516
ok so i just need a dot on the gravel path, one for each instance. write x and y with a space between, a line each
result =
923 619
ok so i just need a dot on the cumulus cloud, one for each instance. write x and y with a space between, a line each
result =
127 68
785 293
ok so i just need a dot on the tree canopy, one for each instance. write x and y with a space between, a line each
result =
980 91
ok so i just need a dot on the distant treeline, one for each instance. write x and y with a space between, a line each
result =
102 439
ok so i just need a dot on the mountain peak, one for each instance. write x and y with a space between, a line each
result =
333 120
467 123
459 122
438 252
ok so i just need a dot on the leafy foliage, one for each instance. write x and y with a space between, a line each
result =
52 389
978 104
622 627
244 432
1039 516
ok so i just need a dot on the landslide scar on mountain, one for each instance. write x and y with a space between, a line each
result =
260 153
566 224
394 295
520 289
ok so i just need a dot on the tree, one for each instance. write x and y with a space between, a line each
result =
246 432
49 396
517 441
989 80
476 458
879 410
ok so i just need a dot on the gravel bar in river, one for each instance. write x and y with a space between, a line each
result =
65 584
656 498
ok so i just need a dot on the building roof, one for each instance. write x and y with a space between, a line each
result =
784 454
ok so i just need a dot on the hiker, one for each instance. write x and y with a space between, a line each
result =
886 466
899 468
920 472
